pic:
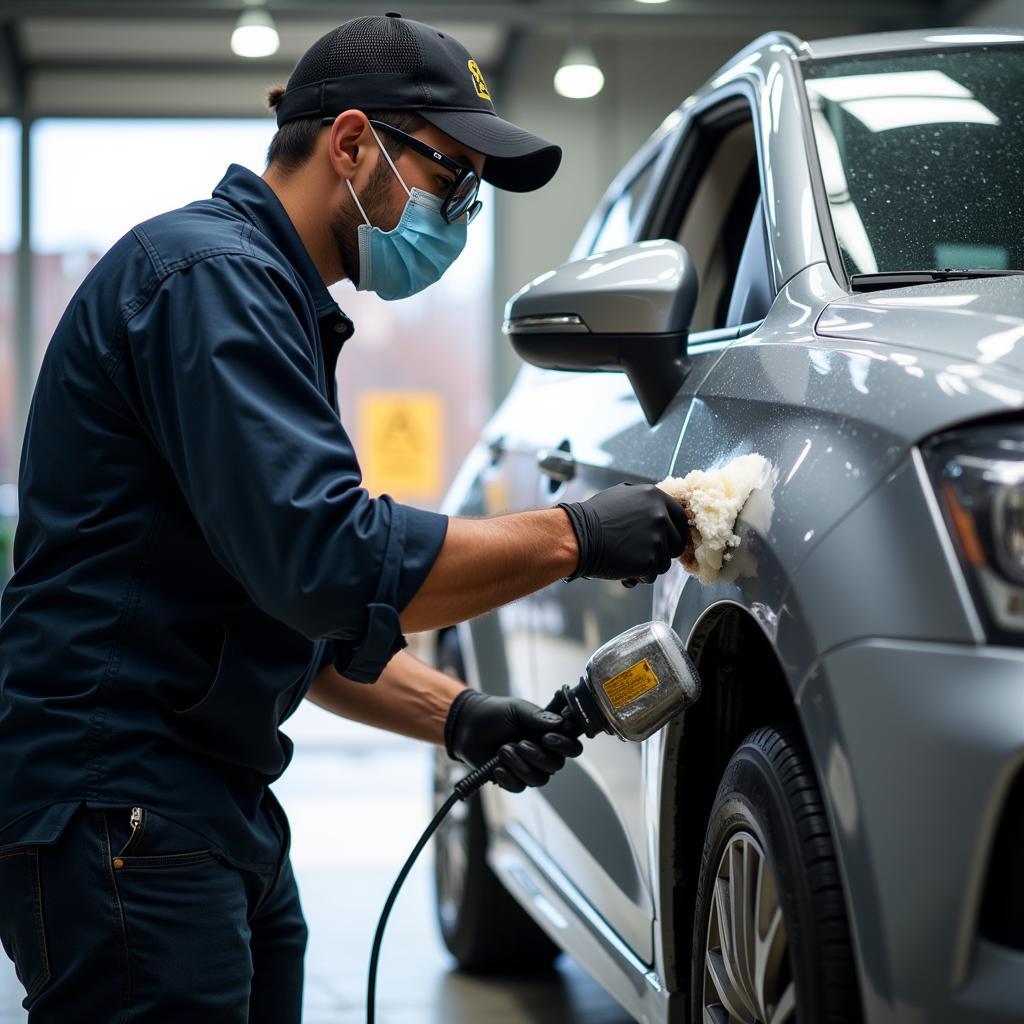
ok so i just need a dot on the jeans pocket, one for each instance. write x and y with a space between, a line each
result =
22 930
157 842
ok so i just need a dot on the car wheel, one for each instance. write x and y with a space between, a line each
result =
481 924
771 939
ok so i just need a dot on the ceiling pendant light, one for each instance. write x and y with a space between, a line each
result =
255 33
579 77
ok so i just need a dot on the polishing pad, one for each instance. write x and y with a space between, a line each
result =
713 500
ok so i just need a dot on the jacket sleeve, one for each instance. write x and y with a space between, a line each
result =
227 389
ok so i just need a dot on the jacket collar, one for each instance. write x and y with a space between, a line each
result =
249 193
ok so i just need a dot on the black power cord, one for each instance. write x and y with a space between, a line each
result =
464 789
580 717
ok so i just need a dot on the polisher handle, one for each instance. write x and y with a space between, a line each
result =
476 779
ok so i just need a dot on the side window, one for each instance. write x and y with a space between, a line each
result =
619 227
719 219
751 293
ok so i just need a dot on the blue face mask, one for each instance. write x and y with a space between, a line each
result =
415 252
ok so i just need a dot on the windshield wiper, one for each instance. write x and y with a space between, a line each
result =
905 278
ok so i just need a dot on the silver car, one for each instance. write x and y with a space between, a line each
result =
815 259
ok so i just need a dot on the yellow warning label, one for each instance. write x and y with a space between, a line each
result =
631 683
401 442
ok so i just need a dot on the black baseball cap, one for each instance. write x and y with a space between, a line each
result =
393 63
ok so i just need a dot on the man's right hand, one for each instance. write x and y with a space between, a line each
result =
628 532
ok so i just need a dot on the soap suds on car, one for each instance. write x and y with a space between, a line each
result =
713 500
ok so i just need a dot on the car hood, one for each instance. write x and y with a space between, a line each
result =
976 321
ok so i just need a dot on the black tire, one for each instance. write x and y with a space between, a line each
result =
768 840
482 926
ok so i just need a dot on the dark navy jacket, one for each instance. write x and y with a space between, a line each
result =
193 541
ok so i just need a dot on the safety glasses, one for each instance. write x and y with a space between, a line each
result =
461 197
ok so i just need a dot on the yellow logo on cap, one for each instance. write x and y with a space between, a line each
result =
478 80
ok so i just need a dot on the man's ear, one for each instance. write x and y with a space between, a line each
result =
348 143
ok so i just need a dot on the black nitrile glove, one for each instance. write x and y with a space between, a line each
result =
524 736
629 532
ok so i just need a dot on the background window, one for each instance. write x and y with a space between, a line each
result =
9 237
414 381
717 218
619 227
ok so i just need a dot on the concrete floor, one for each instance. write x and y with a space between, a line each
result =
347 847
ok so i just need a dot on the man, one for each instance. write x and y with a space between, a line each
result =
195 553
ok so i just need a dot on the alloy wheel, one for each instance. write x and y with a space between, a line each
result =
747 974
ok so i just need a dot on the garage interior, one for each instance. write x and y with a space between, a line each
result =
82 80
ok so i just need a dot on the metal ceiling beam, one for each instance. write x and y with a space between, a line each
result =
512 54
110 64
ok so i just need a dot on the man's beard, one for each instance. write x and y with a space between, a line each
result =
347 219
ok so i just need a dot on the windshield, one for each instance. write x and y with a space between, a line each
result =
922 155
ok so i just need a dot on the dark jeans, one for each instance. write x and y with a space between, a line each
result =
114 926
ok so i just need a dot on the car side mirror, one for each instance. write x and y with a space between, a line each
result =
627 309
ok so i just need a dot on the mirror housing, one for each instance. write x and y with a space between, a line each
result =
626 310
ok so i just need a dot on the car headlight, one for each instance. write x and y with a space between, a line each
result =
978 477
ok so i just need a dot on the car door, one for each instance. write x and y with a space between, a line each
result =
499 476
593 815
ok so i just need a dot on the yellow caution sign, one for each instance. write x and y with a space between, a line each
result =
631 683
401 443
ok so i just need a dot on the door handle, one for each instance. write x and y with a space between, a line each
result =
558 464
497 449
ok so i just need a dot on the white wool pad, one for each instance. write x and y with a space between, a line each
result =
713 500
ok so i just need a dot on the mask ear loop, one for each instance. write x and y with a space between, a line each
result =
358 204
387 157
391 164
